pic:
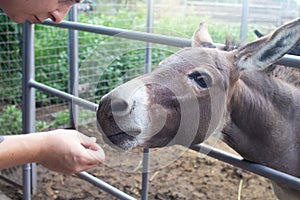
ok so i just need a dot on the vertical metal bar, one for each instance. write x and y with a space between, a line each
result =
28 96
145 174
282 11
149 25
244 21
73 67
148 67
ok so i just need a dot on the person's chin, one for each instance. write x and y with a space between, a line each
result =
18 20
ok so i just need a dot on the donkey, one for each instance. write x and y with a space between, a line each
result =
199 91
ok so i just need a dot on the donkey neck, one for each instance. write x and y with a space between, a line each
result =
262 125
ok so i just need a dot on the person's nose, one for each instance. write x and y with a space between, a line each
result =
58 15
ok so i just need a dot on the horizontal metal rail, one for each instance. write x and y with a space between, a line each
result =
104 186
275 175
288 60
123 33
76 100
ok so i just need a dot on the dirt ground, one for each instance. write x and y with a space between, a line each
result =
190 176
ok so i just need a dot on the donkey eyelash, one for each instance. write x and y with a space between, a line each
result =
76 1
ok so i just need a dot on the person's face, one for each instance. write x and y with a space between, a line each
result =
37 10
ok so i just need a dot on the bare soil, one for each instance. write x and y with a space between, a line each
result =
191 176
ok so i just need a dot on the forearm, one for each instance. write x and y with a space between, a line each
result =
67 151
19 149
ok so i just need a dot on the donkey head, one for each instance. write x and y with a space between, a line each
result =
185 100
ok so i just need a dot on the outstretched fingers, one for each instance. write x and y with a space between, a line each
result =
93 149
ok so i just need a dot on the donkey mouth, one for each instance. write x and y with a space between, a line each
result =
124 141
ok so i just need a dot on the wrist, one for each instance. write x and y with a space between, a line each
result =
39 146
19 149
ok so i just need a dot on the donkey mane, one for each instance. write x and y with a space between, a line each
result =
231 44
287 74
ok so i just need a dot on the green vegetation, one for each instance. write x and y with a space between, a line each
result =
10 59
11 121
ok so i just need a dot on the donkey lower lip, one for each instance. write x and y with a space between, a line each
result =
119 136
123 134
124 140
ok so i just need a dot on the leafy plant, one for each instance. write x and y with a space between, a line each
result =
61 119
11 121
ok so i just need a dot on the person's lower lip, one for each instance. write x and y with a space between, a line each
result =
36 20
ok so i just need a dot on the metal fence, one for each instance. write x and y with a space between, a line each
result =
51 57
288 180
31 83
275 13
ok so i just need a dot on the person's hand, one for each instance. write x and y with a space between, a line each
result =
69 151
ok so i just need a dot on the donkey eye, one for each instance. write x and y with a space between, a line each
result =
201 78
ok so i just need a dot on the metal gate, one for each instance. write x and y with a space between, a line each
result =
30 84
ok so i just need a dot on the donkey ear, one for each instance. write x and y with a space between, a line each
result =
270 48
201 37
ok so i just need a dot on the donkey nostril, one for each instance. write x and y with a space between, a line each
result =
119 105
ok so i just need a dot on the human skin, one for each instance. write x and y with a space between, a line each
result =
36 11
66 151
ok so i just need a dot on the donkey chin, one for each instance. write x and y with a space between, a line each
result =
120 140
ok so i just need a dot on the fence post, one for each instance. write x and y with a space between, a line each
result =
244 21
73 67
148 67
28 104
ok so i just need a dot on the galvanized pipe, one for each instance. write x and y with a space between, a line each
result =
149 29
145 174
289 60
28 99
256 168
76 100
73 67
148 68
244 21
104 186
122 33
